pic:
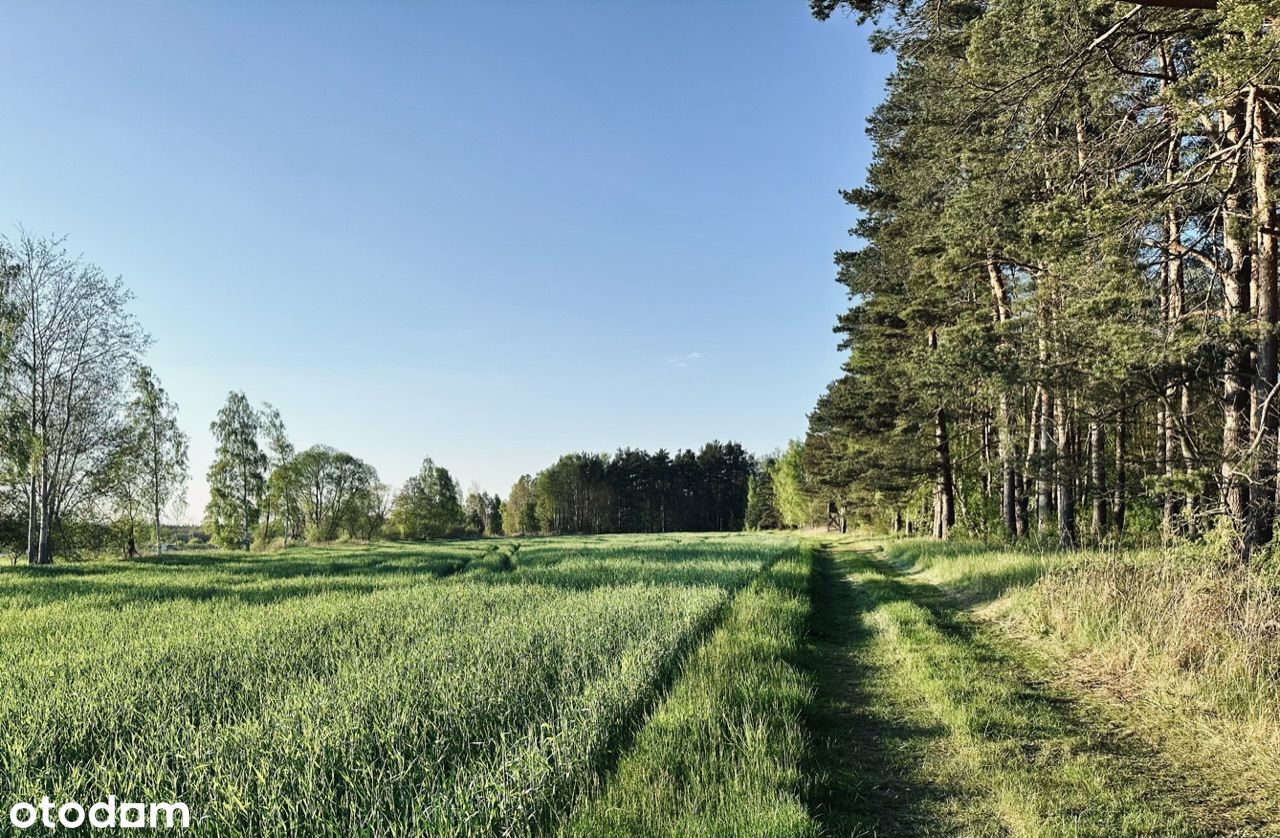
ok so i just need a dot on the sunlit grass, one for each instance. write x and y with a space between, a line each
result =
1187 646
723 754
379 689
986 749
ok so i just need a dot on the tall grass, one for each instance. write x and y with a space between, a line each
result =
1190 644
389 690
722 754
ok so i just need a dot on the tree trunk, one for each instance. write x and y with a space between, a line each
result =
1004 419
1020 505
944 504
1173 391
1097 454
1008 476
45 555
1238 363
1191 500
1168 466
33 507
1175 408
1066 477
986 455
1267 413
33 528
1045 474
1031 468
1119 503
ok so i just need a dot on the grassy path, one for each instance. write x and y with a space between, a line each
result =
928 723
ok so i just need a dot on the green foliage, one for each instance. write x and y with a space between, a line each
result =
334 487
70 360
519 515
429 505
572 495
158 449
237 477
635 491
762 502
483 512
1066 209
791 488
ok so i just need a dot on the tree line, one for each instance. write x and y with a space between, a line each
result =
1063 318
634 491
261 490
92 457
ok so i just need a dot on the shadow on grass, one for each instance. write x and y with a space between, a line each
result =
876 784
981 582
557 814
862 762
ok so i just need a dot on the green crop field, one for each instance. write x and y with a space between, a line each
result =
636 685
452 687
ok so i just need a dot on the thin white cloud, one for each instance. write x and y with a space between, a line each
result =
686 360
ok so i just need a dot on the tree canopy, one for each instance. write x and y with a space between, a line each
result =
1063 303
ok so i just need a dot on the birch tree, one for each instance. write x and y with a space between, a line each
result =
160 444
237 477
72 354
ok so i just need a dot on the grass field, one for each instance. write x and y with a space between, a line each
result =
727 685
1184 651
724 754
977 690
394 690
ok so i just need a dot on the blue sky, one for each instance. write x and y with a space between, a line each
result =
491 233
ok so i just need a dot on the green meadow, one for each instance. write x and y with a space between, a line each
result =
685 684
452 687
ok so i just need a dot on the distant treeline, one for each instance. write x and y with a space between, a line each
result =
263 491
635 491
92 458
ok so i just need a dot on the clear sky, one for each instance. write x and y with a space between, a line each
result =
490 233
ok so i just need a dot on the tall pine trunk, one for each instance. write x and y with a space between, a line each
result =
1119 502
1048 457
1004 418
1066 476
1238 360
944 510
1267 413
1179 512
1098 462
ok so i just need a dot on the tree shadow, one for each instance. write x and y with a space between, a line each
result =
862 766
1018 712
981 583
